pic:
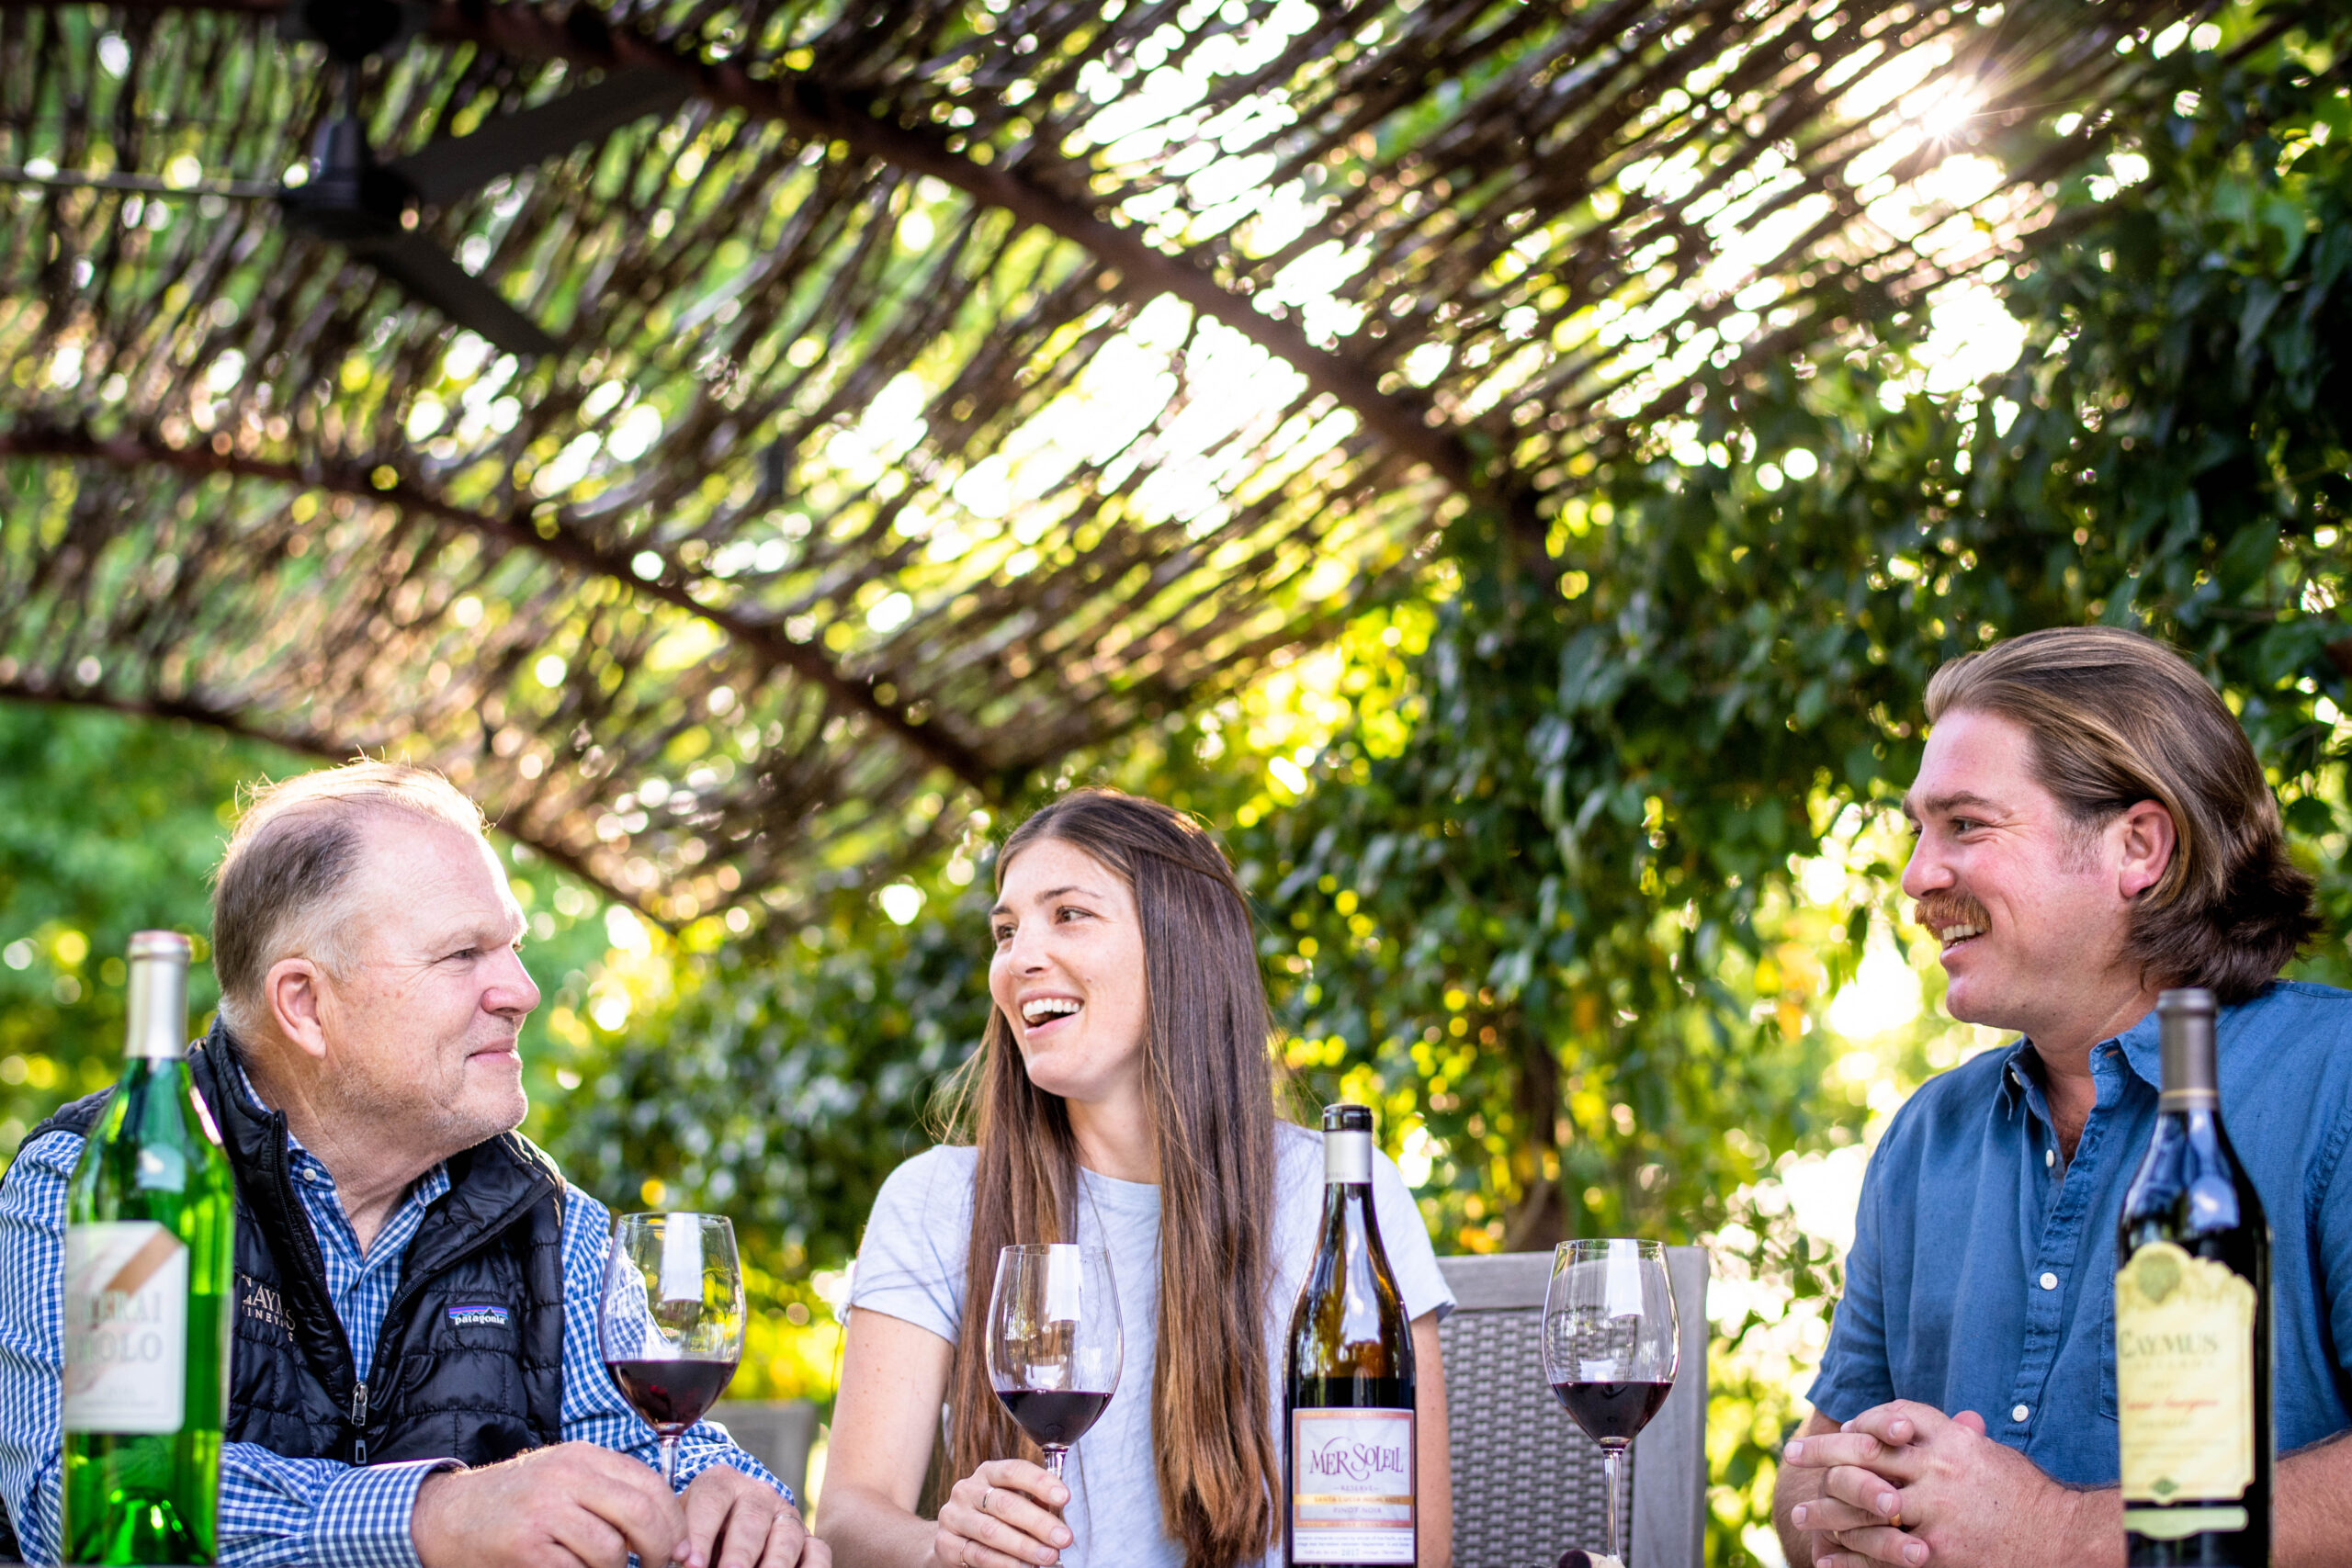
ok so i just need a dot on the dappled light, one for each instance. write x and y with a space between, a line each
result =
935 400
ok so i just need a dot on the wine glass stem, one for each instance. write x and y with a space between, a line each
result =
1055 1458
670 1460
1612 1461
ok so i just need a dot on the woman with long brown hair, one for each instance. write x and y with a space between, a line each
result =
1124 1095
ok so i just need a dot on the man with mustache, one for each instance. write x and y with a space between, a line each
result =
414 1379
2093 827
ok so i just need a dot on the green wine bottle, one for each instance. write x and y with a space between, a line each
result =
149 1254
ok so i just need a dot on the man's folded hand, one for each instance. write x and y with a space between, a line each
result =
1907 1485
573 1506
578 1506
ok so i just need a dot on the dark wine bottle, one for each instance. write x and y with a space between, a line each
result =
1348 1459
2192 1325
149 1251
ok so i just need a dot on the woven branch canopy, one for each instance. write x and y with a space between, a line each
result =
945 386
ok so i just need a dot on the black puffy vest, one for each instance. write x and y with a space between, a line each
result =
469 1362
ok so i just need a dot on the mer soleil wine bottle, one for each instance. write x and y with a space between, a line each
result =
2192 1325
149 1252
1348 1463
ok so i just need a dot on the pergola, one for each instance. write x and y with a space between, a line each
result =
939 388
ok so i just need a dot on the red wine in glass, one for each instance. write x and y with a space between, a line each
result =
1054 1342
672 1394
1055 1418
1611 1342
670 1326
1611 1412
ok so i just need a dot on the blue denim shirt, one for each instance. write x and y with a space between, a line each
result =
1982 1276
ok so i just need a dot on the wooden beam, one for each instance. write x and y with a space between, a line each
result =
867 124
762 634
324 747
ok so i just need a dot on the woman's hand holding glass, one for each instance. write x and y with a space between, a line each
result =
1003 1514
1054 1348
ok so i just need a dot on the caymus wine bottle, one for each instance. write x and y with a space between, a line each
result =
1347 1463
2192 1325
149 1253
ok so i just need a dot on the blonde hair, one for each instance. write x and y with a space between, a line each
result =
284 884
2117 718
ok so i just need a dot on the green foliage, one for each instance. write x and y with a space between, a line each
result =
786 1080
107 826
1551 900
1561 892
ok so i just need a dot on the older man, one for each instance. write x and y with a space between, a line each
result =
414 1374
2093 827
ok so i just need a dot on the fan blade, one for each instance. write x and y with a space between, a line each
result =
457 165
145 184
411 261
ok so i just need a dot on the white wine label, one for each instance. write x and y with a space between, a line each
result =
1351 1486
2184 1377
126 1327
1346 1158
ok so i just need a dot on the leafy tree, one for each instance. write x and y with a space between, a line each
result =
107 826
1547 912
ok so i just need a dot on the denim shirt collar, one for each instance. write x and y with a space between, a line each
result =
2142 1051
2137 1045
2023 1092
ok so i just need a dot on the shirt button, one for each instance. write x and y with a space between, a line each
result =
2049 1158
2019 1412
2048 1282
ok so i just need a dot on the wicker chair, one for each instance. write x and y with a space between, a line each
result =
1526 1481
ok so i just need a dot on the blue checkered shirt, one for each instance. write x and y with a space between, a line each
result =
275 1510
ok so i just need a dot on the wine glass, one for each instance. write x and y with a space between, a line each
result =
670 1324
1054 1342
1611 1339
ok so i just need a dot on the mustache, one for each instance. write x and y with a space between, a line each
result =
1944 909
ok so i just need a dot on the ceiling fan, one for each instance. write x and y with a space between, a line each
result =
370 208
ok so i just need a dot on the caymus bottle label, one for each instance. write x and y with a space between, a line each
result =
1352 1485
2183 1378
126 1327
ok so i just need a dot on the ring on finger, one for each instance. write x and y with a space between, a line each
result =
984 1498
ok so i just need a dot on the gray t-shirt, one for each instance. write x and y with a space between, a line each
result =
911 1267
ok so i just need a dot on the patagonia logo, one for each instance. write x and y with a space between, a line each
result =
478 1316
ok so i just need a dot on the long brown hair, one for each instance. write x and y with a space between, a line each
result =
1209 1079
